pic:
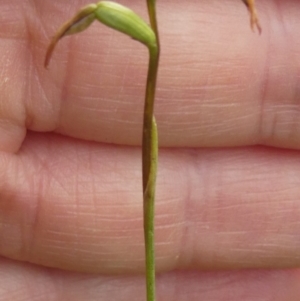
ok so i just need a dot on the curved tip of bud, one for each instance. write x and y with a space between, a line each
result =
50 50
79 22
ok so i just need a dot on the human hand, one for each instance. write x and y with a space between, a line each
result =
71 188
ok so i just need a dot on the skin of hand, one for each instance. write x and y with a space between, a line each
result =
228 188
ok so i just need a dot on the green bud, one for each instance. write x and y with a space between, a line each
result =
111 14
125 20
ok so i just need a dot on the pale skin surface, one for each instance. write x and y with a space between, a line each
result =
76 204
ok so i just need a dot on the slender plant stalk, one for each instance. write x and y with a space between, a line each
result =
150 145
150 156
151 5
150 151
126 21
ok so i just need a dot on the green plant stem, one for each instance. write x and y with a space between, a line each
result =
151 4
150 150
148 115
149 202
150 155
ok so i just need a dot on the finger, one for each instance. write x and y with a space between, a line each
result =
219 84
23 282
77 206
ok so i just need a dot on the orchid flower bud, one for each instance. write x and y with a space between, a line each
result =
125 20
112 15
